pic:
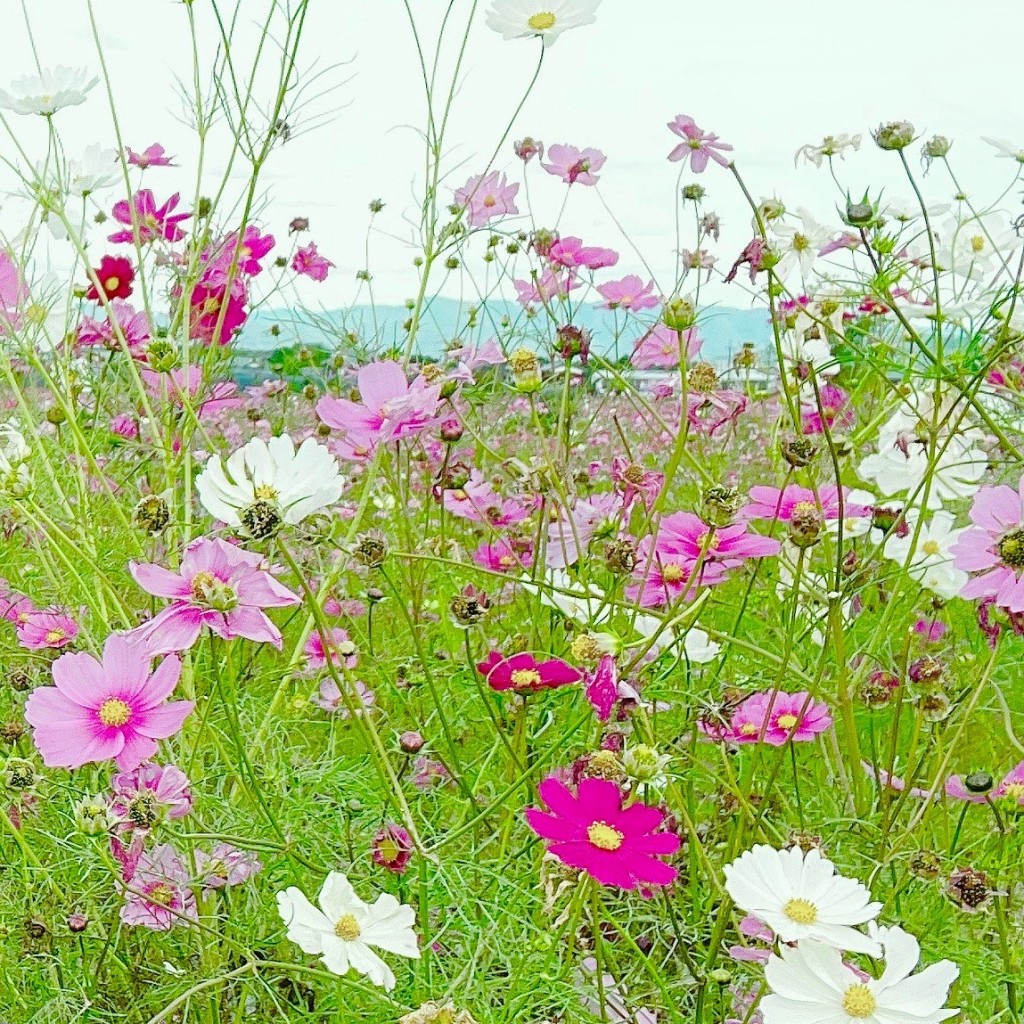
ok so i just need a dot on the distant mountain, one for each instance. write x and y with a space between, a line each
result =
380 328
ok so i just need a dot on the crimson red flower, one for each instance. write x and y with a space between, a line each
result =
592 831
523 673
115 275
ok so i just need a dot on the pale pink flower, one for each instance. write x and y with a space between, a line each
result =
775 504
775 718
660 347
331 698
628 292
1011 788
485 197
570 533
551 286
697 146
50 628
478 502
14 293
149 794
215 398
134 328
225 865
339 650
574 166
159 896
570 253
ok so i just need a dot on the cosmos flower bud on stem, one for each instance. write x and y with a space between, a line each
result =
720 505
894 135
679 314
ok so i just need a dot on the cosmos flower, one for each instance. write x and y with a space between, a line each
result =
145 221
698 146
574 166
47 92
525 674
521 19
159 897
485 197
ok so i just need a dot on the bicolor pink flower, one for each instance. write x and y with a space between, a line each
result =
551 286
390 408
339 650
571 253
475 357
477 502
150 794
501 556
697 146
50 628
775 504
225 865
159 896
660 347
145 221
994 547
133 327
1011 788
332 700
775 718
525 674
709 411
151 156
392 848
218 586
308 262
574 166
110 709
628 292
602 687
592 831
485 197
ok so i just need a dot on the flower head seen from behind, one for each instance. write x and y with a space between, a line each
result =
573 165
267 483
344 931
592 831
521 19
801 896
810 982
110 709
47 92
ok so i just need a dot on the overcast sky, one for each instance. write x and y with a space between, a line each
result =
767 77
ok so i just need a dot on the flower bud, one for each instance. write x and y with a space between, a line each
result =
451 430
77 923
694 193
411 742
806 525
937 147
926 864
678 314
93 816
644 764
719 506
894 136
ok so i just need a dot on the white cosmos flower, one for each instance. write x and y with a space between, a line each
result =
343 928
804 345
831 145
800 896
1006 149
97 169
519 19
932 563
265 483
975 247
799 245
810 984
47 92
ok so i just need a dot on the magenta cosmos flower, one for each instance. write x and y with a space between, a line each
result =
485 197
994 546
525 674
592 831
96 710
775 718
391 409
151 156
574 166
697 146
147 221
218 585
308 262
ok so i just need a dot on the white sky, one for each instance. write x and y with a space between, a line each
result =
767 77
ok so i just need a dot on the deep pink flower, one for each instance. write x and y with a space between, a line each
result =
151 156
477 502
340 650
574 166
593 831
501 556
152 222
253 248
216 313
50 628
628 292
161 898
994 546
633 481
225 865
775 718
149 794
308 262
697 146
525 674
602 687
390 408
659 347
836 413
124 426
484 198
571 253
96 710
218 585
392 848
115 275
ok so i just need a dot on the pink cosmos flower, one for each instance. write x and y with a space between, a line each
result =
525 674
628 292
13 293
218 585
994 546
253 248
593 831
697 146
633 481
428 773
474 357
571 253
340 650
477 502
134 328
551 286
50 628
219 397
574 166
96 710
484 198
390 408
659 347
775 504
225 865
392 848
161 897
149 794
331 698
215 312
151 156
836 412
152 222
709 411
894 782
571 533
1011 788
602 687
308 262
775 718
501 556
124 426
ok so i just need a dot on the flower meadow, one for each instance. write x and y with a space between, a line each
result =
562 678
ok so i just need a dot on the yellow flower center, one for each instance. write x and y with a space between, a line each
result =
490 201
977 243
114 712
801 242
931 547
54 636
1014 790
388 850
786 721
266 493
112 284
673 573
858 1001
749 729
201 584
801 911
348 928
526 677
804 508
162 895
604 837
542 22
